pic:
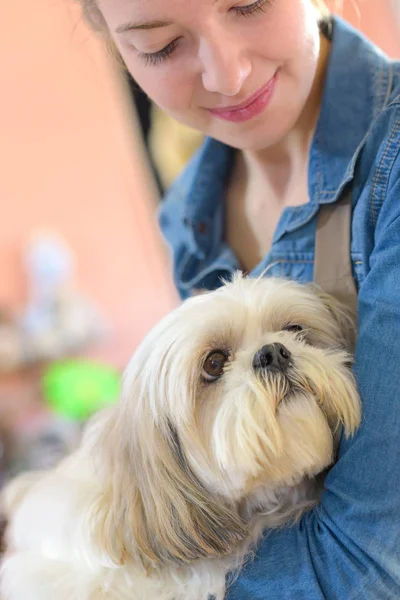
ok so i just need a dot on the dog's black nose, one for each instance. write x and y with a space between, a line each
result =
274 357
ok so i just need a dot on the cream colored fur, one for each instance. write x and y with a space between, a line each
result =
171 488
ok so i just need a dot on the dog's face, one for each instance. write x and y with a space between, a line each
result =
240 388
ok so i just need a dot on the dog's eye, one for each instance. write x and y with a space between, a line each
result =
214 365
293 328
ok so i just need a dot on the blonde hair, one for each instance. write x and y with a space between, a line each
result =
321 8
93 15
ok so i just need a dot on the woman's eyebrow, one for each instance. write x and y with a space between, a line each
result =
147 24
144 25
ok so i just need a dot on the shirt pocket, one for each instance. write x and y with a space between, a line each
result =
298 267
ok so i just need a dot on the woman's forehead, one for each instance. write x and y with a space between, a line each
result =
144 14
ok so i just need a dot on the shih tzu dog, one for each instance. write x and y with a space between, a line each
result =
230 415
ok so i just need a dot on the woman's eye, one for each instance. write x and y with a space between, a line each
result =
251 9
214 364
155 58
293 328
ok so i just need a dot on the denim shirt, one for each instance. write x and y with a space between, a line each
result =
348 547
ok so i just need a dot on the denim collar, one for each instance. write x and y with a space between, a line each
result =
357 88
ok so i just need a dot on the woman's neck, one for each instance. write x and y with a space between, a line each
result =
286 161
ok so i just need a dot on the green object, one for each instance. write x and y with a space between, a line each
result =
76 389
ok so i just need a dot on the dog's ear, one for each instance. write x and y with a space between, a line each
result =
154 507
344 316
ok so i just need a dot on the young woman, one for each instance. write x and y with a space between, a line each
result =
302 117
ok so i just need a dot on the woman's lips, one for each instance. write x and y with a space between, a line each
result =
251 107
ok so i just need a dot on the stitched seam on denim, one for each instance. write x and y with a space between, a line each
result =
296 224
394 102
305 262
389 82
294 262
380 171
319 171
378 83
389 85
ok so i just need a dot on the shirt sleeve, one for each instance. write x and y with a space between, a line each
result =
348 547
171 220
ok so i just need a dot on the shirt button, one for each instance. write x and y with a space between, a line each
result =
202 227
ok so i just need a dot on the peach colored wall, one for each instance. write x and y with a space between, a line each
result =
69 160
375 18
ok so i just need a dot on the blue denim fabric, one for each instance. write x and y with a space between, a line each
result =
348 547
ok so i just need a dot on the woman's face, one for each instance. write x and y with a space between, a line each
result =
238 70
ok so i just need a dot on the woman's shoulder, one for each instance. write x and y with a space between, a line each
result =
359 124
363 65
393 92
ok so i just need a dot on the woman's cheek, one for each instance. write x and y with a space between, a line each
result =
166 86
156 81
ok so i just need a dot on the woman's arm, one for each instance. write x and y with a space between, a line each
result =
348 548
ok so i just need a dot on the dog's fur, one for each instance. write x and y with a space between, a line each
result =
170 489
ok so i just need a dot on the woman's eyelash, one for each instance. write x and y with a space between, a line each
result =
155 58
252 9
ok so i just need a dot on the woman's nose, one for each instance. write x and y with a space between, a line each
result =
225 67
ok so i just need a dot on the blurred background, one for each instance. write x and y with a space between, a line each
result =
84 273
